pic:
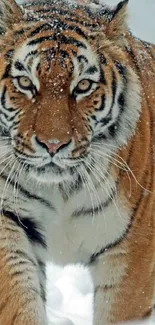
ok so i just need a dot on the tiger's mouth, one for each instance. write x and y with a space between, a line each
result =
40 157
53 172
41 162
51 169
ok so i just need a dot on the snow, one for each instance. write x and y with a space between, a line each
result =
69 290
70 298
69 295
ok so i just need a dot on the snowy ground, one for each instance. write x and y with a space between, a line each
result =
70 298
67 297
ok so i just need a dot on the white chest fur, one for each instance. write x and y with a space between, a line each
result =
73 239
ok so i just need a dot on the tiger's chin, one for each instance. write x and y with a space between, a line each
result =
50 177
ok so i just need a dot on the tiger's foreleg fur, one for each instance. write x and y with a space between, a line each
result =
123 286
21 300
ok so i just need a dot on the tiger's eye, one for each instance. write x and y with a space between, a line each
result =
24 82
84 85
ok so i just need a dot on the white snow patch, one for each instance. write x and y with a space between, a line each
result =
69 295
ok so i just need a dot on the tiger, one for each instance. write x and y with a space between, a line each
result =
77 153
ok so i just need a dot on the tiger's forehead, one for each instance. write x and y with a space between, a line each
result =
77 55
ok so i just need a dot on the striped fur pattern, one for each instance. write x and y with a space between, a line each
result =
77 176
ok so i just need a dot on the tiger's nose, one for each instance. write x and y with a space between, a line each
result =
52 145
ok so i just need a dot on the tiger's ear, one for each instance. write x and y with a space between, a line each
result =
117 23
10 13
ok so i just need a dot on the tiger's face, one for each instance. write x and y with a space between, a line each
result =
62 98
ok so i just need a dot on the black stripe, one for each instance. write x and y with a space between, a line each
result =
21 257
94 117
43 292
42 268
69 14
3 125
20 32
133 57
102 76
58 38
91 70
3 101
147 314
105 120
41 28
115 127
114 87
10 119
118 8
121 101
6 72
82 58
31 228
100 137
96 255
105 287
42 39
102 59
85 212
19 66
59 24
30 195
36 197
85 24
121 69
101 108
2 31
9 54
8 109
30 54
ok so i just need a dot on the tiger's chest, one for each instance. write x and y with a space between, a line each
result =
79 228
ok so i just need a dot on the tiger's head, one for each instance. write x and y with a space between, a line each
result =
68 96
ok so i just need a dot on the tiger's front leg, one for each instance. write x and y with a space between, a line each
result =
21 291
124 288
